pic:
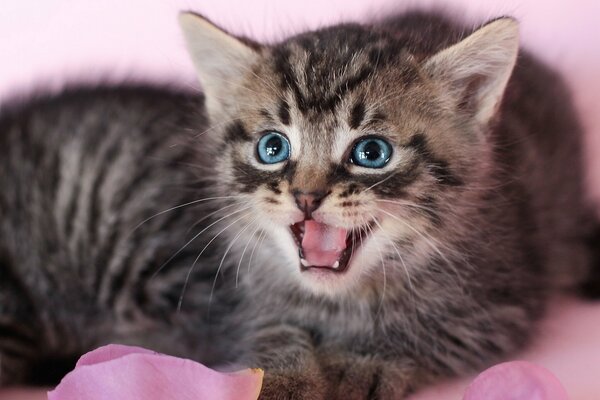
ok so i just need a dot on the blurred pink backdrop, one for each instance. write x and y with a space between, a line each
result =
46 43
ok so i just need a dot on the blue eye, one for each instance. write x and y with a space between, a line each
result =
273 148
371 152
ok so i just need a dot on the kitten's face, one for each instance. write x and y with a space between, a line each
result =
347 154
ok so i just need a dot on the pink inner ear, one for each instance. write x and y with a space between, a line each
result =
323 244
517 380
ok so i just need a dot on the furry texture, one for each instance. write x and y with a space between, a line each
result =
86 180
476 219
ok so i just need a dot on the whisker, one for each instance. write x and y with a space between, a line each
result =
353 244
380 182
408 277
235 238
259 243
213 127
237 272
180 206
432 245
379 308
213 213
187 278
195 237
360 233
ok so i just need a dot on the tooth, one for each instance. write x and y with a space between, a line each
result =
336 265
304 262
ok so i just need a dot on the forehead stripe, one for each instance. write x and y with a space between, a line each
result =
439 168
236 132
312 101
284 112
357 115
248 177
288 80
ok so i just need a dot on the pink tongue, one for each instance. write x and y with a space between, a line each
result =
322 244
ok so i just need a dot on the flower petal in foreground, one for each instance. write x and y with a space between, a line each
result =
516 380
116 372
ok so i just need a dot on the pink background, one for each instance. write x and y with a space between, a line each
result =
46 43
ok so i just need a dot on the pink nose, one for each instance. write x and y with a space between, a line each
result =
308 201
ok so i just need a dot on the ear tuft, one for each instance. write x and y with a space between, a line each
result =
477 69
221 60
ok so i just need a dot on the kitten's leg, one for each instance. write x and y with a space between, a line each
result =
292 371
295 369
357 377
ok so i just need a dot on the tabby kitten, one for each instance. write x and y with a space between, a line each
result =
363 210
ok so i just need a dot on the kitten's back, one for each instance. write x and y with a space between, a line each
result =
79 174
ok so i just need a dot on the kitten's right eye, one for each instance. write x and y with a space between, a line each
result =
273 148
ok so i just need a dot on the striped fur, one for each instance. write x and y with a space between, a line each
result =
127 215
85 178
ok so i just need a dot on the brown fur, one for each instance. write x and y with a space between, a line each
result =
474 224
127 217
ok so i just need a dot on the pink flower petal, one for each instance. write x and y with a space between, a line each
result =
110 352
121 372
517 380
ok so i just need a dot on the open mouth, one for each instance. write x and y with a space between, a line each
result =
326 247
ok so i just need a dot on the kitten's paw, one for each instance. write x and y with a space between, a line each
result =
293 385
360 378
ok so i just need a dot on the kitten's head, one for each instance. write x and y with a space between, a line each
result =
350 146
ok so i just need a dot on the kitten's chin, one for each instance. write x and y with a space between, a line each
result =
323 282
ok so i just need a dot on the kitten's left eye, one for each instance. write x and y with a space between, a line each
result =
371 152
273 148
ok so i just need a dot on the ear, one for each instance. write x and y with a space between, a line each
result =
476 70
221 60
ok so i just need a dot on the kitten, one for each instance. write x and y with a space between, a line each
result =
362 209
